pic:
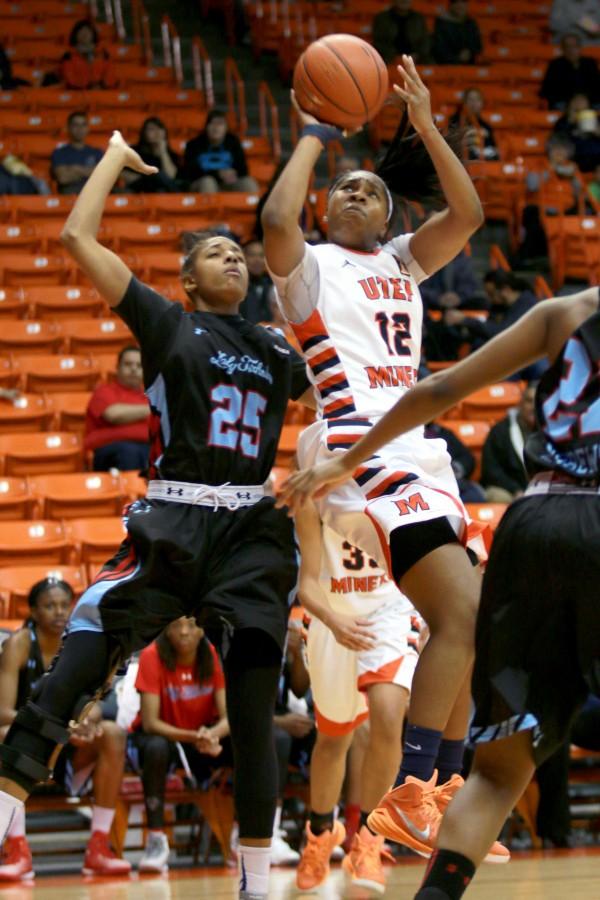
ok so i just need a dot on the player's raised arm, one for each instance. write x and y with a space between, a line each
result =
105 269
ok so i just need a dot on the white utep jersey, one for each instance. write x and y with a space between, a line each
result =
353 583
358 318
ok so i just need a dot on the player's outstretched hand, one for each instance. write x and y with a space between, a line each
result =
354 634
314 482
307 118
131 159
416 96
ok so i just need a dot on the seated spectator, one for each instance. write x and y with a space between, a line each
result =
400 29
462 460
153 146
456 37
581 126
72 163
260 301
182 722
215 159
118 417
503 473
7 80
96 746
17 178
294 733
579 17
570 74
87 65
454 286
481 142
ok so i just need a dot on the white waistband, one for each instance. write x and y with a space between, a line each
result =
232 496
551 483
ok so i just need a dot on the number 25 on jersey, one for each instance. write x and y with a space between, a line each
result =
235 422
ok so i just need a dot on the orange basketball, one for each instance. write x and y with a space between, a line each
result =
341 80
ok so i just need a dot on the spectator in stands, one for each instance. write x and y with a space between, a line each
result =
182 722
86 65
453 286
118 417
96 746
503 473
154 148
7 79
398 30
294 733
215 159
456 37
580 17
72 163
570 74
346 163
580 125
260 301
481 142
17 178
463 462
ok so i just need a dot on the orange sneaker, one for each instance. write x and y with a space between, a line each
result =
16 864
100 859
443 794
313 868
409 815
364 862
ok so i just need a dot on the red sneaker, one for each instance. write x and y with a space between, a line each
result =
443 794
101 860
16 862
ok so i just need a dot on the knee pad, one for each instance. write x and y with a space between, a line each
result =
27 750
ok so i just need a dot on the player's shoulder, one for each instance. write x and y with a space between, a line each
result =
275 338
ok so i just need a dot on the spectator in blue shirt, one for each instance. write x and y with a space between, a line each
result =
215 159
72 163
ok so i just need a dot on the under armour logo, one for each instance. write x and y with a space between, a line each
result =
200 331
243 495
178 491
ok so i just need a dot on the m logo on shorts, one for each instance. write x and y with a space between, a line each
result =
412 504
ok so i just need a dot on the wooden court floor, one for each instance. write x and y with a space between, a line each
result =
562 875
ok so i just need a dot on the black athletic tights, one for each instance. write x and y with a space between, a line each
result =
252 668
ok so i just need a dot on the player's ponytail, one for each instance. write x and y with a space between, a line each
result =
407 167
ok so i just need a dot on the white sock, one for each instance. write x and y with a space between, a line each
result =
102 819
8 806
277 820
17 826
255 863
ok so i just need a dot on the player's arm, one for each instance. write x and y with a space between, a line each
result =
351 632
13 659
153 724
445 234
107 272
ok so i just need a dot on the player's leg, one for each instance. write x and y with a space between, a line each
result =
501 771
252 668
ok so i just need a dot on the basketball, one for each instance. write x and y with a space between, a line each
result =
341 80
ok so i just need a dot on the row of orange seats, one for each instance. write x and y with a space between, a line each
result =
70 495
77 336
184 123
153 99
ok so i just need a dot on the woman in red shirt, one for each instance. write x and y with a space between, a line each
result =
86 65
182 721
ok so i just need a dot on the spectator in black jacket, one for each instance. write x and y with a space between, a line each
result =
570 74
154 148
7 79
456 37
514 299
462 461
215 159
260 300
481 142
503 473
399 29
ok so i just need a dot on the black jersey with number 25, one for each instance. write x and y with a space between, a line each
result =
218 387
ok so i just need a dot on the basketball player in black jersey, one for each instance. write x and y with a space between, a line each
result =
206 541
538 627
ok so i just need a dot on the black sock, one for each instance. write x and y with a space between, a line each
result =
448 876
363 821
320 822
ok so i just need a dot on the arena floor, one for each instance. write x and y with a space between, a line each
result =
560 875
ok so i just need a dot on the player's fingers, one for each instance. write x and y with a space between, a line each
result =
409 64
402 93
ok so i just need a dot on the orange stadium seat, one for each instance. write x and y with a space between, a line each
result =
471 433
55 373
22 270
69 410
57 99
136 236
59 302
136 74
12 303
115 99
487 513
106 364
9 372
25 336
36 31
95 540
15 500
17 581
287 444
29 412
185 207
158 97
490 404
34 208
574 247
161 268
40 453
125 205
36 543
29 123
77 494
239 212
133 484
18 237
97 335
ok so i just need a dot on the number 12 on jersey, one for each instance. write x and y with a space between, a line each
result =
235 422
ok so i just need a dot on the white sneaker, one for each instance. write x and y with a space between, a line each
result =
156 854
281 852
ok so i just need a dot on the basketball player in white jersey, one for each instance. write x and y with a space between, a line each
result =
355 307
362 651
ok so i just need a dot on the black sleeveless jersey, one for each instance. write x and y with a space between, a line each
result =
34 669
567 438
218 387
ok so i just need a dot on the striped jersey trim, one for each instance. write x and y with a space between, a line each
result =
329 377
